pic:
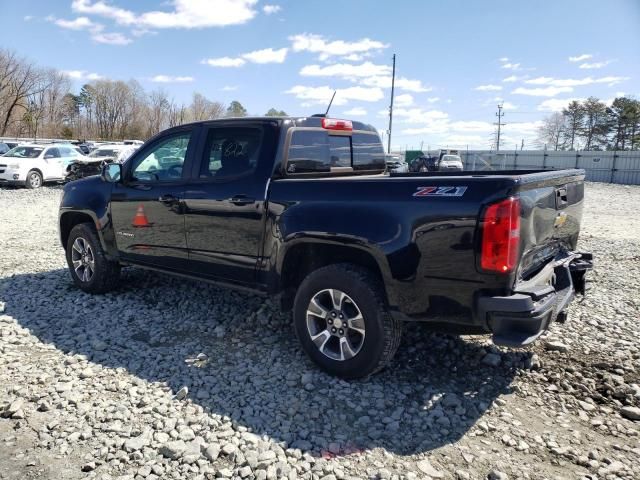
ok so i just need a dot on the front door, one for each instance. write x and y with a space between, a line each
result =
225 202
147 208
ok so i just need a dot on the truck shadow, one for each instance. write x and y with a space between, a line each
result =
253 371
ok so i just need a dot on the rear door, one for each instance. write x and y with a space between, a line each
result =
225 202
52 164
147 209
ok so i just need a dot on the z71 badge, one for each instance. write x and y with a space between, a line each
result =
440 191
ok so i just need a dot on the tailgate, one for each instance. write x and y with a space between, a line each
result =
551 215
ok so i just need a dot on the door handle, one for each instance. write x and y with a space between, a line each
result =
168 199
241 200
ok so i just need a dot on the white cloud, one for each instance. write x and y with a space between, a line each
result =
416 115
80 23
322 95
556 104
271 9
523 128
224 62
326 48
184 13
111 38
488 88
542 92
355 112
229 88
103 9
171 79
345 70
511 78
511 66
402 83
575 82
267 55
27 18
96 30
594 65
503 59
82 75
581 58
403 100
433 99
508 106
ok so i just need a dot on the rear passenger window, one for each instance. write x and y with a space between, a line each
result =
309 152
368 153
230 151
315 151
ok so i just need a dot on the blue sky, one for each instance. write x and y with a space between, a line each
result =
456 60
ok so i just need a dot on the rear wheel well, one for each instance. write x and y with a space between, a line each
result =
70 220
305 258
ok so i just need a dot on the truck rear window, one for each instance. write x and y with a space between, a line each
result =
315 151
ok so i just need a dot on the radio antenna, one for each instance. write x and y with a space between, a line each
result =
332 97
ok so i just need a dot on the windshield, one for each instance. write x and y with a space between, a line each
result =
104 152
451 158
24 152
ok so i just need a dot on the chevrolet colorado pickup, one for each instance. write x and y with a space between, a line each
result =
302 208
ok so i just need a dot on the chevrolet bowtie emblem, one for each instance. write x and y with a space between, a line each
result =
561 219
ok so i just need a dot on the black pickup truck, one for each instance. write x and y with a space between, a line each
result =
302 208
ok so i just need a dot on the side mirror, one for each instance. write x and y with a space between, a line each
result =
112 172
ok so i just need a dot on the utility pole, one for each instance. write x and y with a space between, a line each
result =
499 114
393 84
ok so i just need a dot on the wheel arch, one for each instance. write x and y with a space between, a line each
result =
303 257
70 219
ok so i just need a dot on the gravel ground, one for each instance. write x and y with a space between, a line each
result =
168 378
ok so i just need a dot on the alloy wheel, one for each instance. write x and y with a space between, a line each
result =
84 262
335 324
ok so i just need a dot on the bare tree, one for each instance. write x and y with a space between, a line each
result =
202 108
552 132
19 80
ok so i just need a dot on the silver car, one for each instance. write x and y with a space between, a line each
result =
451 163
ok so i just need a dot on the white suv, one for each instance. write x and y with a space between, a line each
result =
31 165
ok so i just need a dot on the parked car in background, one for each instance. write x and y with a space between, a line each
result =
4 148
32 165
450 163
92 164
395 163
446 161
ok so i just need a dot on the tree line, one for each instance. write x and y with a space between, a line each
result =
39 102
593 125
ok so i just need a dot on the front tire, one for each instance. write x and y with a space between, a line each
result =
343 323
34 180
89 267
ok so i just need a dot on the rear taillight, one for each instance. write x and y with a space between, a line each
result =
501 236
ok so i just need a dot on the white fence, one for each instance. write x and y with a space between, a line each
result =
608 166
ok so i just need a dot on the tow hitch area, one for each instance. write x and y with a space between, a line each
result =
519 319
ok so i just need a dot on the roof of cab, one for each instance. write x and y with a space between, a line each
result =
310 121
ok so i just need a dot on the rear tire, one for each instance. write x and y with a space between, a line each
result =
343 323
34 180
89 267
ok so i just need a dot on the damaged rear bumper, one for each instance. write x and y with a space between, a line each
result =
519 319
